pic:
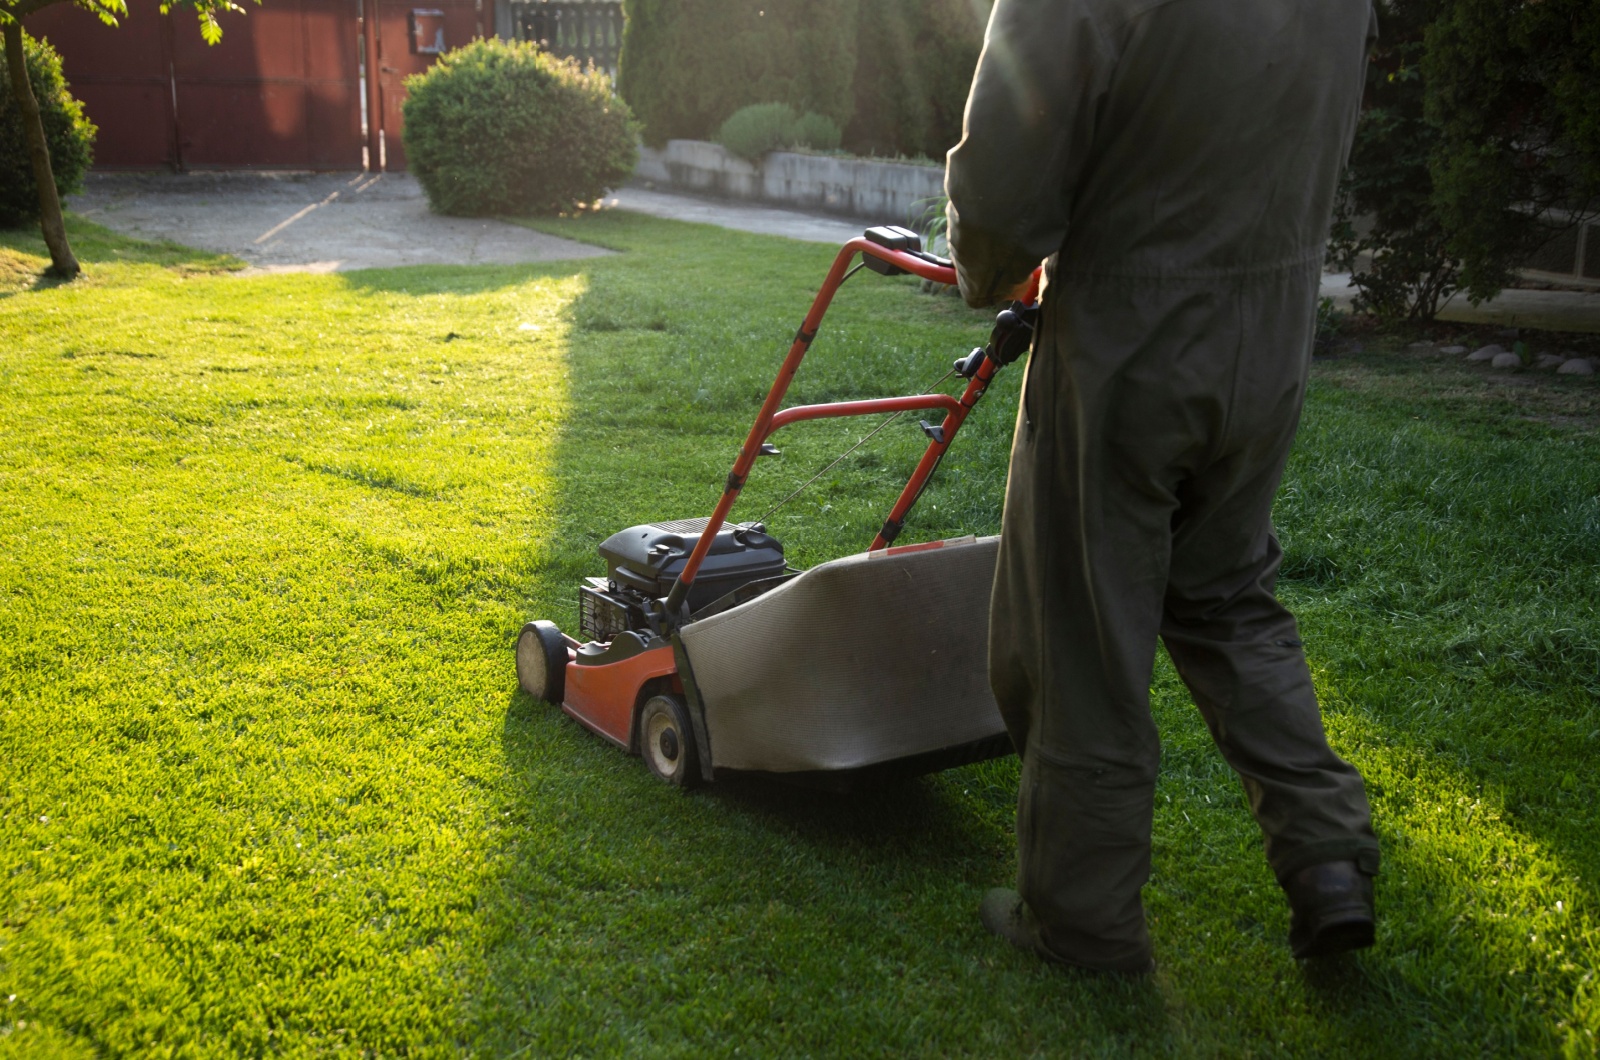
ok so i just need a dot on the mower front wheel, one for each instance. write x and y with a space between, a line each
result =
542 662
666 741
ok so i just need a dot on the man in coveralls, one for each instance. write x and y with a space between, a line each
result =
1175 161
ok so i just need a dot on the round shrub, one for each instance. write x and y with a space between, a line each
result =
499 127
816 131
67 133
752 131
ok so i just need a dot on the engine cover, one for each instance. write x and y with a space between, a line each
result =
649 558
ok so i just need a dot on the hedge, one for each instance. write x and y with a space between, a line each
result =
914 64
687 65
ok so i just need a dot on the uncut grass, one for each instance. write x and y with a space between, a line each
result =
270 787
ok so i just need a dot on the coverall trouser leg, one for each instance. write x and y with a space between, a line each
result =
1138 507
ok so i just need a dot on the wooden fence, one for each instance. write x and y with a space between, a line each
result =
587 30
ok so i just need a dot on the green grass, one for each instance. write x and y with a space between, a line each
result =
267 786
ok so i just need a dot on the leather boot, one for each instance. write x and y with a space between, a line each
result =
1331 909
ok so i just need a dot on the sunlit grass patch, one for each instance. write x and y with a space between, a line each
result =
267 785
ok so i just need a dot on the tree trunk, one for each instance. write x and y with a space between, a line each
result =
50 221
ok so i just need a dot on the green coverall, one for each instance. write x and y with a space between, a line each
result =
1175 161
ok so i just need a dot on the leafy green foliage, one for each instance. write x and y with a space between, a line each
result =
500 127
1386 228
1480 118
816 131
268 788
687 65
1511 89
68 133
914 65
752 131
892 74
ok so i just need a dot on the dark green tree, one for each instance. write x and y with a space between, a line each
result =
1386 228
1479 139
687 65
914 65
1513 90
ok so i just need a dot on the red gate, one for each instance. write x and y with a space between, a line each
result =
407 41
281 91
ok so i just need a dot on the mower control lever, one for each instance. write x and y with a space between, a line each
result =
967 367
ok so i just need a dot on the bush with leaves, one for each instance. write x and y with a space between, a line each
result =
1513 90
1480 117
500 127
752 131
69 135
1386 228
687 65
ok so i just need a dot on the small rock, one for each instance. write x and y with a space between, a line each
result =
1551 360
1506 360
1423 345
1453 350
1576 366
1486 353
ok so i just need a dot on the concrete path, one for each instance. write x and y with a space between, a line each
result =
309 222
319 222
746 217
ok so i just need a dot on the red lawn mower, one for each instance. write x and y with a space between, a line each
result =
707 653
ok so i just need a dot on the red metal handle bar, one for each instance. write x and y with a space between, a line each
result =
861 408
763 427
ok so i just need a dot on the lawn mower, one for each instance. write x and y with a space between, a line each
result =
706 653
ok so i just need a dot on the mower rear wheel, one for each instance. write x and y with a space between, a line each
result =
542 662
666 741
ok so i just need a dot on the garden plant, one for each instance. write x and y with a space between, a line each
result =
268 787
68 134
752 131
1479 143
500 127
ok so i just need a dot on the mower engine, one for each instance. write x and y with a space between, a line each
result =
642 562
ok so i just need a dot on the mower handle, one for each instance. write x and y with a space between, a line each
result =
769 419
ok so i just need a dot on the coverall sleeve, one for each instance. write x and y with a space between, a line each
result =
1029 124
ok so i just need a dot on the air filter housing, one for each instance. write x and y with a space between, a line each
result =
649 558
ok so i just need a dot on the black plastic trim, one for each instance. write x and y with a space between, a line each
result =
842 781
624 645
696 706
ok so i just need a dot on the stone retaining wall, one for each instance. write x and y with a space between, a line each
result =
886 192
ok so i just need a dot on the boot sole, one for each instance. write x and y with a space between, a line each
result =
1337 935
